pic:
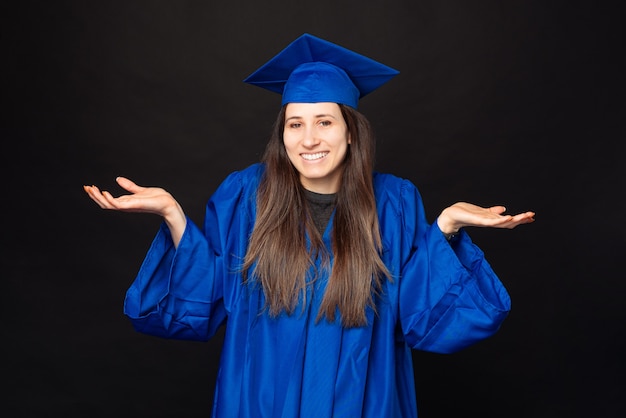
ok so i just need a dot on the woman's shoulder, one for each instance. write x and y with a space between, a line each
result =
248 177
380 177
253 171
395 193
240 185
392 184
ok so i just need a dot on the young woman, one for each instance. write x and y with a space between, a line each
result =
325 273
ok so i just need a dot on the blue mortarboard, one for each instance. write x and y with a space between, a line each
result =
311 70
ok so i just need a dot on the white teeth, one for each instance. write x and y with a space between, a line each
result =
316 156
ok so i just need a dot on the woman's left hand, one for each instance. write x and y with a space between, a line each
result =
463 214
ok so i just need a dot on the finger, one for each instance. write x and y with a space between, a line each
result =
504 221
128 184
95 192
90 193
87 190
96 196
111 202
526 216
497 209
522 219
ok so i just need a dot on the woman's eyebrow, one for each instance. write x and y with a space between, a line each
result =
322 115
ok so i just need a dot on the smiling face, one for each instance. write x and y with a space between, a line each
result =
316 140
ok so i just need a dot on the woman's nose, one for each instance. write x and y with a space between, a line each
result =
310 138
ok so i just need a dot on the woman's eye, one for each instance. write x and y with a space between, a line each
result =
325 123
295 125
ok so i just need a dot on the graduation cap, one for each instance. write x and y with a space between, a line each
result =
312 70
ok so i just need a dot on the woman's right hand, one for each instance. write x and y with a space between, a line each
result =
144 200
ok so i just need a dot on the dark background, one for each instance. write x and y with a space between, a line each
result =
518 103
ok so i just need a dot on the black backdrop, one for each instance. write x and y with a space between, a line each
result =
518 103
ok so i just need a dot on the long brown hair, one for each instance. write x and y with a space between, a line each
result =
278 256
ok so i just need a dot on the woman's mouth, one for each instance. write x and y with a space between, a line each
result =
314 156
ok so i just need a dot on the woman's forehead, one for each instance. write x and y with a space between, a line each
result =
312 109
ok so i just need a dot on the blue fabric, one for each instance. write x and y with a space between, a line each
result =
443 298
313 70
315 82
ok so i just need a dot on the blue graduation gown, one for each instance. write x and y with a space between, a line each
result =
443 297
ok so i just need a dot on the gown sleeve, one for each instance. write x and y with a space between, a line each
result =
180 292
449 296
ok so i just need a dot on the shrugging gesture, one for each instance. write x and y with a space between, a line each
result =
326 273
